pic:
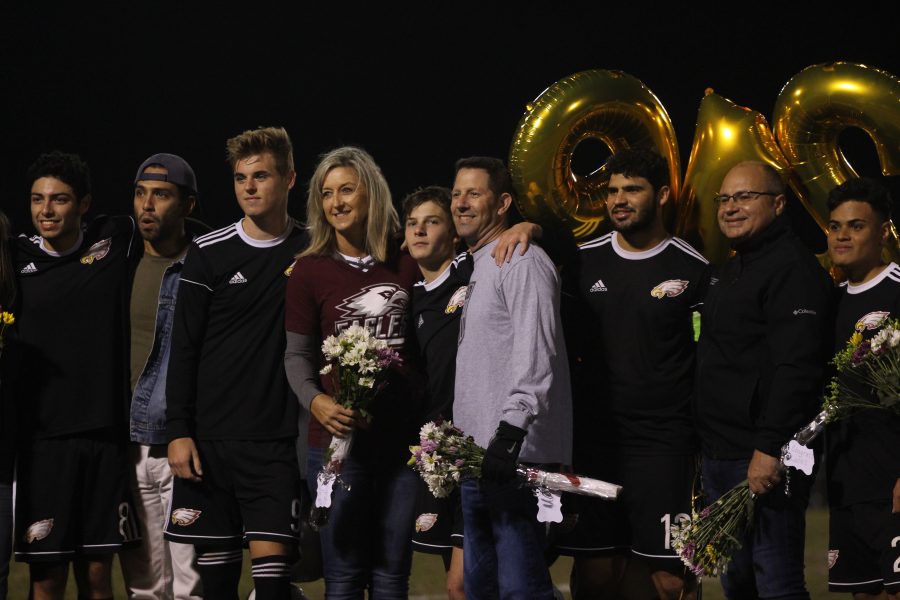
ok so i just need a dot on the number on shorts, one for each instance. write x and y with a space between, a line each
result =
894 543
666 520
127 524
295 515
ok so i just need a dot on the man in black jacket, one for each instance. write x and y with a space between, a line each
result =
760 364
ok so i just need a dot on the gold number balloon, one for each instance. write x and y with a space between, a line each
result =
610 106
812 110
726 134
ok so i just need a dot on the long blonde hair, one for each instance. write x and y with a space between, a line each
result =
382 223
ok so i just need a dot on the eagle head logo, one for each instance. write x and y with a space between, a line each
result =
375 301
185 516
425 521
669 288
97 251
38 531
871 320
457 300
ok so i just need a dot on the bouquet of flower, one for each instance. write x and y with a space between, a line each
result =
445 455
709 538
707 542
6 319
868 373
357 362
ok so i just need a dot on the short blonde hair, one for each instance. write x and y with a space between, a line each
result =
252 142
382 224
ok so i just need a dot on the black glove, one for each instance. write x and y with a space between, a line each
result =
502 453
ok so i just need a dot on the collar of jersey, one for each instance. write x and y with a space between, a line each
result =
263 243
864 287
75 248
630 255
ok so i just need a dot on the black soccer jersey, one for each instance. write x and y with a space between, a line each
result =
633 344
436 308
226 371
71 320
863 456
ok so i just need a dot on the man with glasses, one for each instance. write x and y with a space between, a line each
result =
760 360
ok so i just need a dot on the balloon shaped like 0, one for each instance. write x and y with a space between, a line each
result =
726 135
812 110
610 106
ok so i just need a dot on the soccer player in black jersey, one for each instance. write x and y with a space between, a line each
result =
863 464
231 417
436 304
71 488
636 290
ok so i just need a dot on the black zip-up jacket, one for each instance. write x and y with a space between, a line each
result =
763 347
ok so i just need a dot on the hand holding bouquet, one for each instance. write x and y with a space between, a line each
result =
357 363
868 376
445 455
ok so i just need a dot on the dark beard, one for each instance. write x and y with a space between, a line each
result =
643 223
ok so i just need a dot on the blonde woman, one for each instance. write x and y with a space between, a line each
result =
354 273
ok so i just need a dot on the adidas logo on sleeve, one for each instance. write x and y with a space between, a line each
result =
237 278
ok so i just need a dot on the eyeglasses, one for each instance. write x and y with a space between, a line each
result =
740 198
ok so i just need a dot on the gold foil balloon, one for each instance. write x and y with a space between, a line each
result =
610 106
726 134
812 110
816 105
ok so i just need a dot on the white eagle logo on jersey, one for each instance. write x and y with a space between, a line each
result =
38 531
97 251
871 321
375 301
457 300
669 288
185 516
425 521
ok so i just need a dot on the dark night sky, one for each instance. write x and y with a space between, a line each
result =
417 85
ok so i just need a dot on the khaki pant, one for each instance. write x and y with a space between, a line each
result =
157 569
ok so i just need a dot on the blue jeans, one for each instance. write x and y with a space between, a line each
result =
769 563
367 542
504 543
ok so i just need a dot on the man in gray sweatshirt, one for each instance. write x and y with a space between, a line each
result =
512 389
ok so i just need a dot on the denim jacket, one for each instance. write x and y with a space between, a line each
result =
148 403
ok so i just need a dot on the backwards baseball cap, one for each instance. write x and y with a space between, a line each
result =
179 172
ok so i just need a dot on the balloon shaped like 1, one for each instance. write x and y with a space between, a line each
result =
812 110
610 106
726 135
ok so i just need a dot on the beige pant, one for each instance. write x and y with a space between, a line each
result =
157 569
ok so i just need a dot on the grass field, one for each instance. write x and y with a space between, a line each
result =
428 576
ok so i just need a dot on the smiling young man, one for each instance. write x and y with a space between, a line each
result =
231 417
72 406
165 193
863 473
760 362
633 379
512 388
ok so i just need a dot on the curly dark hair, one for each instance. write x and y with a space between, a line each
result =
640 162
68 168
